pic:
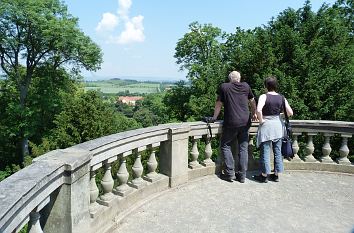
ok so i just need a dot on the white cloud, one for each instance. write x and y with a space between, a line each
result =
108 22
123 10
133 32
133 27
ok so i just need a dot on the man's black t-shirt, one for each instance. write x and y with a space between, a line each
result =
235 98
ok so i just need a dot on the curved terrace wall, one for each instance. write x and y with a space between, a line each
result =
59 191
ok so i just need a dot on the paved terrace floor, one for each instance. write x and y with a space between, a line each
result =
300 202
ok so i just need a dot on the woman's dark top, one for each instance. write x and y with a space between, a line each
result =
273 105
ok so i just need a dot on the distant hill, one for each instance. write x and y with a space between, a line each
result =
136 78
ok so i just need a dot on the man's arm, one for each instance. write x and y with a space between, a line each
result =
289 110
261 103
253 109
217 109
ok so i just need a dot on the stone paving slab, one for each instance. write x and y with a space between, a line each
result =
301 202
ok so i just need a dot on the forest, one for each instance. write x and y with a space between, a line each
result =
44 105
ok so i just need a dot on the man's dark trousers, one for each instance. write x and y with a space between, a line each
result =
227 137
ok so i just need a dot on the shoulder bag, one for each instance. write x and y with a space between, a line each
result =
286 147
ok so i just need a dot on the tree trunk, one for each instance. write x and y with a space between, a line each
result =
23 140
22 149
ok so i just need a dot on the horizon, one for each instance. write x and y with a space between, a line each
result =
135 78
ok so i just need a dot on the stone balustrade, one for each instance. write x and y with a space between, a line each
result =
92 186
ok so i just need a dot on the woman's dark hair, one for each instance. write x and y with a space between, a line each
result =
271 83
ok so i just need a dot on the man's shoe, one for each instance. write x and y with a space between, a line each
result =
240 178
226 177
274 177
261 179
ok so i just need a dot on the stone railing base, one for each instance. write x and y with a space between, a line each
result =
201 171
329 167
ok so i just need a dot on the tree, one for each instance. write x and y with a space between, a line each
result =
45 101
46 98
200 53
311 54
145 117
85 116
8 125
176 101
314 54
154 103
37 33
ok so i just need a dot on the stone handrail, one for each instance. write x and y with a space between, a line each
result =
29 190
59 191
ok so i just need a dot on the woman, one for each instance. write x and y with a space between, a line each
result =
271 130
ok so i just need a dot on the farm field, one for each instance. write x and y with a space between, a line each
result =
118 86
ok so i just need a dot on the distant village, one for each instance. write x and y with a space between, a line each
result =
129 100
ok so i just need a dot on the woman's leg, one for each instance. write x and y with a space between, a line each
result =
278 158
265 158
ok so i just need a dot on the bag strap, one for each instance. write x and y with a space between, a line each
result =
209 127
287 123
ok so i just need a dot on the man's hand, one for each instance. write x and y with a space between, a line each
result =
254 117
208 119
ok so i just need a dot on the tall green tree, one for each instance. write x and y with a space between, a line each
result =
45 100
36 33
176 101
200 53
314 52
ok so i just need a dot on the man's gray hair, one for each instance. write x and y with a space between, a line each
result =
235 76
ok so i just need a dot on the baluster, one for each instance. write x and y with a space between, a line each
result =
310 148
194 154
34 225
123 189
344 150
152 165
137 168
296 148
93 193
252 163
107 183
250 139
208 152
326 149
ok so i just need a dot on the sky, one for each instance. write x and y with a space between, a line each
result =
138 37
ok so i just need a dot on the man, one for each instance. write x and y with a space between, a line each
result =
235 96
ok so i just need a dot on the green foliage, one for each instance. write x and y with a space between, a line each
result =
24 229
311 53
176 101
47 99
84 117
154 103
200 53
147 112
145 117
38 38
